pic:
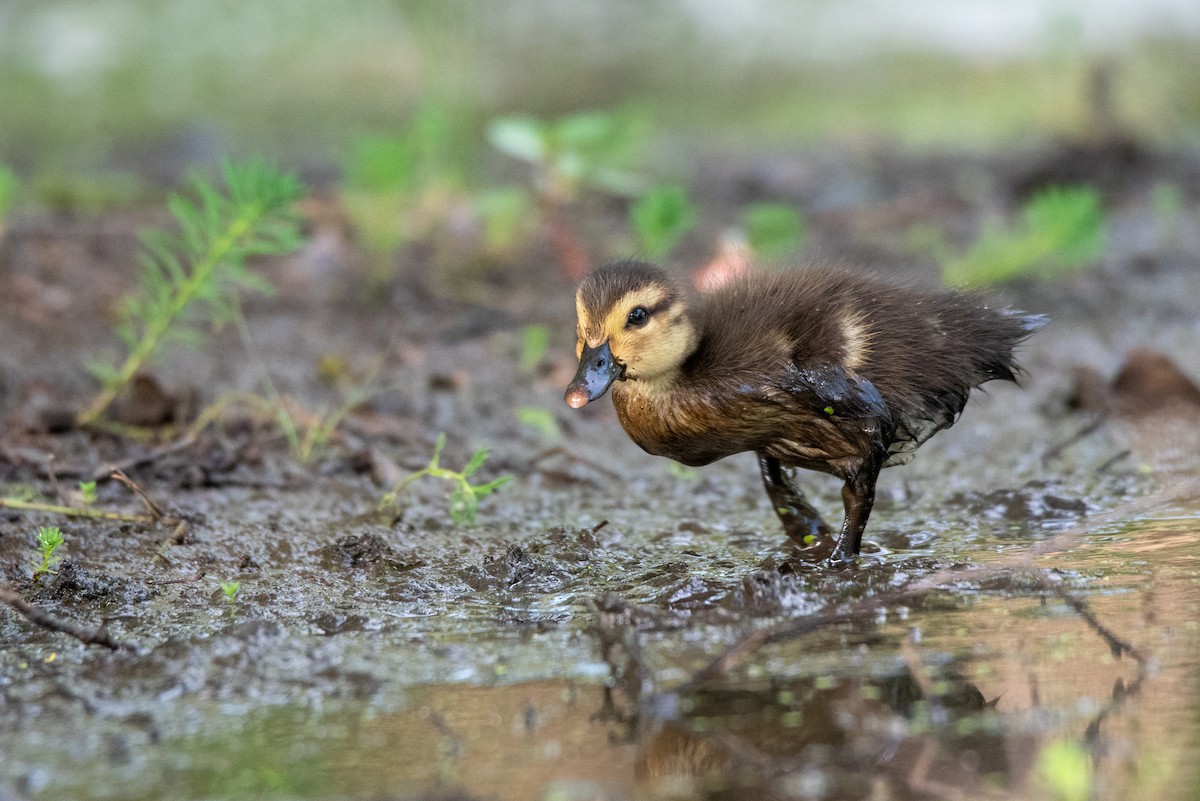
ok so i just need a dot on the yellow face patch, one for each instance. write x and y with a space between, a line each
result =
649 352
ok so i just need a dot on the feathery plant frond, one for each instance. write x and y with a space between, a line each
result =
199 271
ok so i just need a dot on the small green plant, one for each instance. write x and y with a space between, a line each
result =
49 540
464 497
87 492
660 219
1062 228
203 265
590 148
230 590
389 177
773 231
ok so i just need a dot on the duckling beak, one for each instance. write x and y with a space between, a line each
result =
597 370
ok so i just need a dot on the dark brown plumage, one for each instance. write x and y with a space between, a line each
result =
824 369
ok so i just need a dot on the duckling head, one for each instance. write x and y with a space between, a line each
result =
632 326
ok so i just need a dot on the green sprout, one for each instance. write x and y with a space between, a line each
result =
589 148
773 230
49 540
1062 228
201 266
585 150
396 183
660 218
230 590
464 497
87 492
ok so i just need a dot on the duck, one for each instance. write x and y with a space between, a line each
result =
824 368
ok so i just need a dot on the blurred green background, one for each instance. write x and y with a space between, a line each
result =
146 86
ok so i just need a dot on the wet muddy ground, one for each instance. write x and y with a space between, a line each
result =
612 626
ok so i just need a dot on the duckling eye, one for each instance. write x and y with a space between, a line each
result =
638 317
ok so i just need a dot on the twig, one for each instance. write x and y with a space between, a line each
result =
54 479
160 516
1119 647
156 511
40 617
71 511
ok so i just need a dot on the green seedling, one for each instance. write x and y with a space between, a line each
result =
306 433
87 492
432 149
591 148
660 219
49 539
773 231
230 590
1062 228
464 497
202 267
396 183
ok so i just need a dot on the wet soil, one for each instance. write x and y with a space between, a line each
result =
611 626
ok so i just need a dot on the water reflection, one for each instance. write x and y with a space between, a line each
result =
1025 690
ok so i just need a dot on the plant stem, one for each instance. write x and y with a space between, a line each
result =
71 511
156 328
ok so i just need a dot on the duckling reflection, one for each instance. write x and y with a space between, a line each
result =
843 738
823 369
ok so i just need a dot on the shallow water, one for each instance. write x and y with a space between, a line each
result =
975 681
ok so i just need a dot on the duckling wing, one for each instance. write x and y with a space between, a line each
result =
836 392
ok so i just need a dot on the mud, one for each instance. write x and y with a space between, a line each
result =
610 627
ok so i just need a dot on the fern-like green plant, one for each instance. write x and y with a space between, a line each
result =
200 269
50 539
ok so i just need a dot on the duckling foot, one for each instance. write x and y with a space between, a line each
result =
801 522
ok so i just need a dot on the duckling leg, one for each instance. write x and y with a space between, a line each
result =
800 521
858 495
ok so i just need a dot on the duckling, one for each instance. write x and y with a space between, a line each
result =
823 369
